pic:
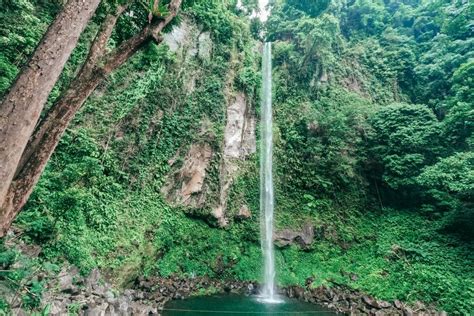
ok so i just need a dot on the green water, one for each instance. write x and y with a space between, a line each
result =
240 305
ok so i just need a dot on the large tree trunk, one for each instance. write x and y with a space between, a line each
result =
47 136
22 106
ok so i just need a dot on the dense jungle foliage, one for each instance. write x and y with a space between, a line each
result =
374 114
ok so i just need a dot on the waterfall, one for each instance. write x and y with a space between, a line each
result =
266 179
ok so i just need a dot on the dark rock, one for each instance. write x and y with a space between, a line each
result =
418 306
309 281
330 293
370 301
65 282
99 290
122 305
92 280
320 294
304 238
129 293
151 294
398 304
139 295
251 289
110 310
298 292
98 310
290 293
384 304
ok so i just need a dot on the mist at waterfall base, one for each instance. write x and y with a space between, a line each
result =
267 302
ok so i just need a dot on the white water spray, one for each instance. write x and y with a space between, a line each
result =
266 179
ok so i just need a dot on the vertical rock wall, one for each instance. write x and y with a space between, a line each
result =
239 142
186 184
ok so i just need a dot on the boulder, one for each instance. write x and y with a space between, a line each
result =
370 301
65 282
98 310
56 308
251 289
398 304
304 237
92 280
244 212
419 306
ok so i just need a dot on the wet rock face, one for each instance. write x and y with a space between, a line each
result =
188 41
185 186
179 36
239 142
303 238
204 46
239 136
234 127
194 169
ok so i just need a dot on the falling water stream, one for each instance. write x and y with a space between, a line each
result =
266 179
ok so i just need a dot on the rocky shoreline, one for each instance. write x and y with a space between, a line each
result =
70 293
350 302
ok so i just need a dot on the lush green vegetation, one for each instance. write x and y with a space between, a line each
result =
373 145
374 125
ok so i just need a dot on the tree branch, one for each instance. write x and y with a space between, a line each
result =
132 45
96 51
99 44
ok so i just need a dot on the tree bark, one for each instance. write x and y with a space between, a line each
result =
22 106
50 130
96 51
